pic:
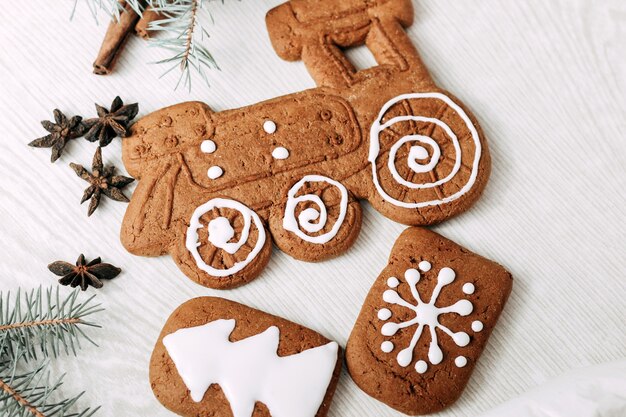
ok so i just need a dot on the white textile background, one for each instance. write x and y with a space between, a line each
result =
546 79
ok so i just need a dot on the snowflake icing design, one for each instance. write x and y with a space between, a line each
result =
426 315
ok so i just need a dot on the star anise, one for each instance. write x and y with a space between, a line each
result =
102 181
61 132
83 273
110 123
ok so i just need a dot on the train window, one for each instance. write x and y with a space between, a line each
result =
360 57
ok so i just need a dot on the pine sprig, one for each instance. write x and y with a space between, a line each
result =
180 30
42 322
182 34
33 394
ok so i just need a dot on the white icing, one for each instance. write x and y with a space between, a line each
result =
269 126
416 166
215 172
421 367
424 266
384 314
221 232
208 146
460 361
477 326
393 282
426 315
468 288
280 153
418 152
250 370
412 276
313 220
386 346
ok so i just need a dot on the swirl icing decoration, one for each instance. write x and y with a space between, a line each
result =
313 220
419 160
220 234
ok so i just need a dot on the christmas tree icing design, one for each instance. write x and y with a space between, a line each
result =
250 370
426 316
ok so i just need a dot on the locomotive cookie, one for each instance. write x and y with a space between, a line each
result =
215 357
214 188
425 322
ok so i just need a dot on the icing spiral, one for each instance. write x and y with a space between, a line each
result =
419 153
312 220
221 232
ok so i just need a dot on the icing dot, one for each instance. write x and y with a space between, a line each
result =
390 296
269 126
280 153
384 314
215 172
220 231
386 346
446 276
389 329
468 288
412 276
393 282
425 266
405 356
418 152
435 354
421 367
477 325
461 339
460 361
463 307
208 146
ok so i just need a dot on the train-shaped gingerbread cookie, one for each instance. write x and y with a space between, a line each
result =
214 186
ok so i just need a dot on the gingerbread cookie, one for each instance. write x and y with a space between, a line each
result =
220 358
425 322
216 187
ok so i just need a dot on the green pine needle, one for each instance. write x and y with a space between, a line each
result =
182 35
35 324
43 323
34 394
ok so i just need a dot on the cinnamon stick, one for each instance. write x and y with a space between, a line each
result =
142 27
114 40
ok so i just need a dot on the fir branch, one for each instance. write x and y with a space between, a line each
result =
42 322
180 28
53 322
182 34
32 394
190 28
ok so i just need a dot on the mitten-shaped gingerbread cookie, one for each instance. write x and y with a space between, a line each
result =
425 323
215 188
216 357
